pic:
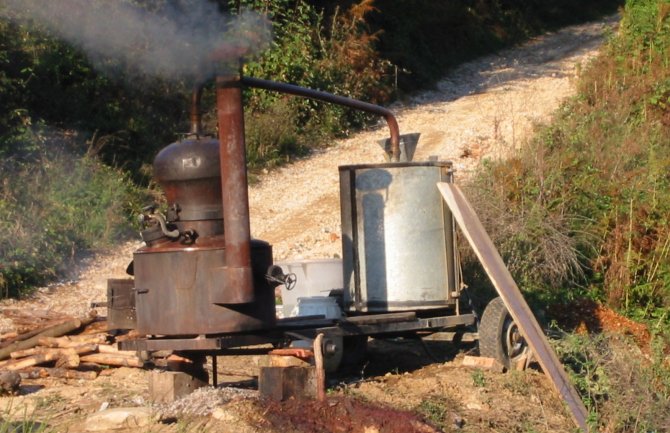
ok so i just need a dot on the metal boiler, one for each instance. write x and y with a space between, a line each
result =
200 273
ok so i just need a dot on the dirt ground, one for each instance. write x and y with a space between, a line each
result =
484 109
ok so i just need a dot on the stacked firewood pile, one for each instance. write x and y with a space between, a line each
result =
47 344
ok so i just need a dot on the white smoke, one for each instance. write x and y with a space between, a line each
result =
180 39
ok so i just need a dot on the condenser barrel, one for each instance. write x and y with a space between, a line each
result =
398 240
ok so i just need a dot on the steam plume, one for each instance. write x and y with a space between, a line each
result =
182 39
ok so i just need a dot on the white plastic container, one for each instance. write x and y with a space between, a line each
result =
317 306
315 277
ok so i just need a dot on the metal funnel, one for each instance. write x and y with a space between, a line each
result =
408 143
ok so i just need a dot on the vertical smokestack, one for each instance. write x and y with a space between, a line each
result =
238 287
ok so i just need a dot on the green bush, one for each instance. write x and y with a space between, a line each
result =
589 200
623 391
334 53
53 205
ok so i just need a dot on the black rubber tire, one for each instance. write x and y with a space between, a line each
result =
494 327
355 353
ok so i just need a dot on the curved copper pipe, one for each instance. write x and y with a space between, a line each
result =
340 100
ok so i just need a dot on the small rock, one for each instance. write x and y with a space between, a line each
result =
474 406
223 414
458 421
119 418
10 382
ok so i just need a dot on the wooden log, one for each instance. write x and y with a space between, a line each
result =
68 358
54 331
73 340
23 353
96 327
62 373
320 369
30 361
108 348
25 333
116 360
78 350
9 335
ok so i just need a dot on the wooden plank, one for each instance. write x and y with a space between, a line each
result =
511 295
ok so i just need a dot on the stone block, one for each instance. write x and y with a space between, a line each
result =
168 386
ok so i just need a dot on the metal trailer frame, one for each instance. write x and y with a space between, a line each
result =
304 328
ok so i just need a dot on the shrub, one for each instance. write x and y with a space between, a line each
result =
623 391
54 204
594 185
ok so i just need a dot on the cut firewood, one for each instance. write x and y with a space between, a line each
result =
41 372
23 353
108 348
131 335
9 335
116 360
26 332
73 340
54 331
79 349
97 326
69 358
30 361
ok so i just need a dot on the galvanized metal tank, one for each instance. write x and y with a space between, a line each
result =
398 238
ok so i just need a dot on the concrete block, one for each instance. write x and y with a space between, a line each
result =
168 386
282 383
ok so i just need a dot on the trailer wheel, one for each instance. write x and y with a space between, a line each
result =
499 336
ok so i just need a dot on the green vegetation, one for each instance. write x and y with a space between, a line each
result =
53 205
584 212
436 409
623 391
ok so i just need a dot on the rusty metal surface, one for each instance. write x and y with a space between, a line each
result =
516 305
391 328
237 282
121 312
174 285
394 130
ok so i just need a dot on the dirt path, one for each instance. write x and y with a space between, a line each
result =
484 109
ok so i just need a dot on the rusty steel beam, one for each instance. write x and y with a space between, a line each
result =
334 99
238 287
511 295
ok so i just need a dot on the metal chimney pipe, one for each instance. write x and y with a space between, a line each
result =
195 113
237 276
